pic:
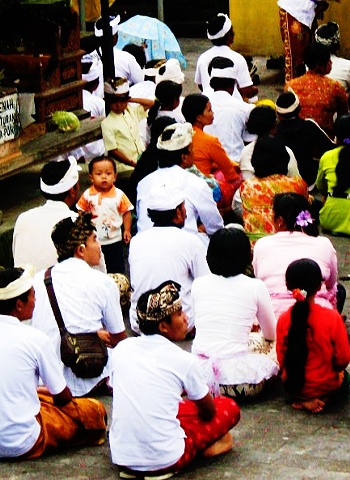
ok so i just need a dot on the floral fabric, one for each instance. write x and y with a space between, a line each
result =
257 198
295 36
320 98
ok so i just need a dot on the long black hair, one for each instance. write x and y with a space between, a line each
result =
305 275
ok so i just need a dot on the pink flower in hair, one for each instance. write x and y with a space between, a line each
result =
304 218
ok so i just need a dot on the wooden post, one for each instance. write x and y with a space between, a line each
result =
160 10
107 42
82 15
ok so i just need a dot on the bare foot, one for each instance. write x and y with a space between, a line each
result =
223 445
314 406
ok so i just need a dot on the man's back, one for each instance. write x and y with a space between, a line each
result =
26 353
202 76
88 300
172 253
340 71
155 369
32 242
230 118
126 66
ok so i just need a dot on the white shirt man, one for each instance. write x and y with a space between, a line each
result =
199 201
21 347
35 420
166 369
202 76
329 34
220 32
32 242
229 125
175 143
93 104
125 64
150 374
88 299
172 253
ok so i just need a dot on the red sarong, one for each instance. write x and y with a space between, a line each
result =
200 434
295 36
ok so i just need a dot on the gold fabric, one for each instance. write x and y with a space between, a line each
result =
83 421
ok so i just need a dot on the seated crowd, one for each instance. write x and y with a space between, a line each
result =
212 237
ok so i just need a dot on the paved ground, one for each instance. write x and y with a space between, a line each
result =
271 441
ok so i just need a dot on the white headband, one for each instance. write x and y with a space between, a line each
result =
327 41
226 27
289 109
228 72
20 285
113 23
181 137
94 71
118 87
68 181
172 71
150 72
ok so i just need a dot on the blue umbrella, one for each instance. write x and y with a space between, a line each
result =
156 35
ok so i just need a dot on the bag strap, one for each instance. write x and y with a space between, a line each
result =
53 301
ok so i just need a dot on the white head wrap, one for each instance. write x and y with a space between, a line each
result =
113 23
172 71
181 137
328 41
291 107
226 27
165 197
152 71
68 181
94 71
117 87
228 72
20 285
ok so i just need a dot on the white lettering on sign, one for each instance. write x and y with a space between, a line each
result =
10 125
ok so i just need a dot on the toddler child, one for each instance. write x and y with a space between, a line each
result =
111 209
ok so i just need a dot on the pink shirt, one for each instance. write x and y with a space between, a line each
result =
273 254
